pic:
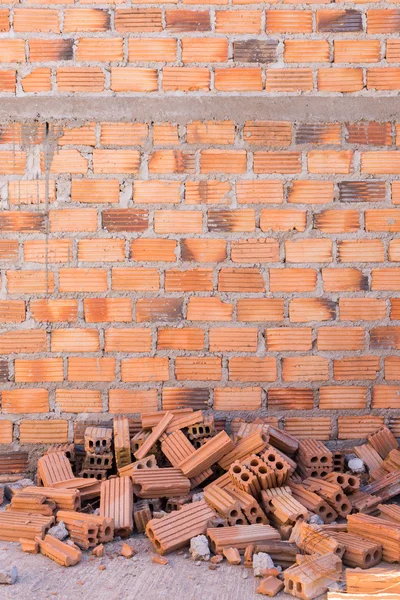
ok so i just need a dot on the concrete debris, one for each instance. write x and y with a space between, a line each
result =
9 576
59 531
261 561
199 548
356 465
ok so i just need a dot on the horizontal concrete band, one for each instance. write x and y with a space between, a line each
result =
181 109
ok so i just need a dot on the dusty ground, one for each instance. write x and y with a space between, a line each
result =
124 579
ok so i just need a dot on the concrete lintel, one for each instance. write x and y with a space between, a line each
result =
181 109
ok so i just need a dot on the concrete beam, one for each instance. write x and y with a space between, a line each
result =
180 109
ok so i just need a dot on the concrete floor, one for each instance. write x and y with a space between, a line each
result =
39 578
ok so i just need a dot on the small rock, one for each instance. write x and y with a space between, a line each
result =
218 558
102 568
356 465
127 551
316 520
160 560
98 551
261 561
213 567
245 575
199 548
59 531
198 496
232 556
9 576
198 563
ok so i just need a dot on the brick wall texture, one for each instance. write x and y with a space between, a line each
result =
249 268
162 259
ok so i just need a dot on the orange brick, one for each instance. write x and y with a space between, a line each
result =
289 80
225 161
133 134
127 340
12 163
91 369
385 337
383 79
240 280
44 432
289 21
230 398
339 397
39 370
30 192
231 220
207 192
288 339
22 222
99 310
138 20
359 427
165 134
131 79
384 396
84 135
39 80
361 309
384 220
131 279
194 280
173 221
75 340
12 51
268 133
394 250
259 191
175 339
277 162
292 280
290 398
36 20
311 192
86 19
361 251
189 397
158 309
203 250
357 51
96 191
301 51
70 220
30 282
157 192
182 21
238 21
54 310
125 219
25 341
94 49
151 49
344 280
153 250
337 221
339 21
4 20
302 310
380 162
353 368
394 309
392 365
79 401
330 161
8 81
392 50
340 80
255 250
27 400
116 161
341 338
233 339
252 369
107 250
83 280
171 161
319 133
41 50
205 368
6 432
207 50
260 309
238 80
67 161
283 220
311 250
210 132
186 79
9 250
80 79
305 368
385 280
132 401
209 309
145 369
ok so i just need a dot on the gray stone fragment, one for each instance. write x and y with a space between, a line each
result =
59 531
261 561
9 576
199 548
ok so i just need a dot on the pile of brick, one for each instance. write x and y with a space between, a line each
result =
306 518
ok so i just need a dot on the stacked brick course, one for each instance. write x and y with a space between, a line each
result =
247 267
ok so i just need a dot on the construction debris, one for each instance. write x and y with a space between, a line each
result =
305 517
9 577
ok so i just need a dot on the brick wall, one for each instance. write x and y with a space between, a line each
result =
318 47
248 267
